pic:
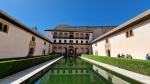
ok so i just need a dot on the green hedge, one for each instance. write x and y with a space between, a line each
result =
25 57
9 67
135 65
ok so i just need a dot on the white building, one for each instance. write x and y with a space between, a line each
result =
132 37
17 40
74 40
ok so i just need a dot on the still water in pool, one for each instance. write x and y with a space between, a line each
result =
73 70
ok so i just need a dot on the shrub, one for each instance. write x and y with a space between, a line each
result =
9 67
135 65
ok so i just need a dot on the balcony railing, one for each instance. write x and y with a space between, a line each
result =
59 37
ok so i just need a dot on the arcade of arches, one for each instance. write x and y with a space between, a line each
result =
70 35
71 50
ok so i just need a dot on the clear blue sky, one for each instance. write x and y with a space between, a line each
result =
46 14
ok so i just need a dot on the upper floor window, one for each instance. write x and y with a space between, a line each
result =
107 41
86 41
76 41
3 27
81 41
65 41
54 41
129 33
44 43
71 41
59 41
33 38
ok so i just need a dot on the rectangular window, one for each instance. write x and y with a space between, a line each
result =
33 38
44 43
71 41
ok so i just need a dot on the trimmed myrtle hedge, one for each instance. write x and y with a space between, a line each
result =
25 57
135 65
9 67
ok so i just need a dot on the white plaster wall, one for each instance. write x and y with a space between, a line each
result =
40 46
49 35
137 46
90 37
15 43
100 48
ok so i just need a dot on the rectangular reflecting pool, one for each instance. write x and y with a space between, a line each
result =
73 70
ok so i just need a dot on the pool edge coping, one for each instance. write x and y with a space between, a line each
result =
136 76
26 74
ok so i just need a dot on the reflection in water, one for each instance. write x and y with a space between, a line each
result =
73 70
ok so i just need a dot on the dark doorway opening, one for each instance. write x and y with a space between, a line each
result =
31 52
108 52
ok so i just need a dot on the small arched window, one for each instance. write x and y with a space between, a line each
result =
131 33
1 26
5 28
107 41
33 38
127 34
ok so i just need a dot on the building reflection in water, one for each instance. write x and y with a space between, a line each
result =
73 70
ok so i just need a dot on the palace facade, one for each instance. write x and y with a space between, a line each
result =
131 37
74 40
